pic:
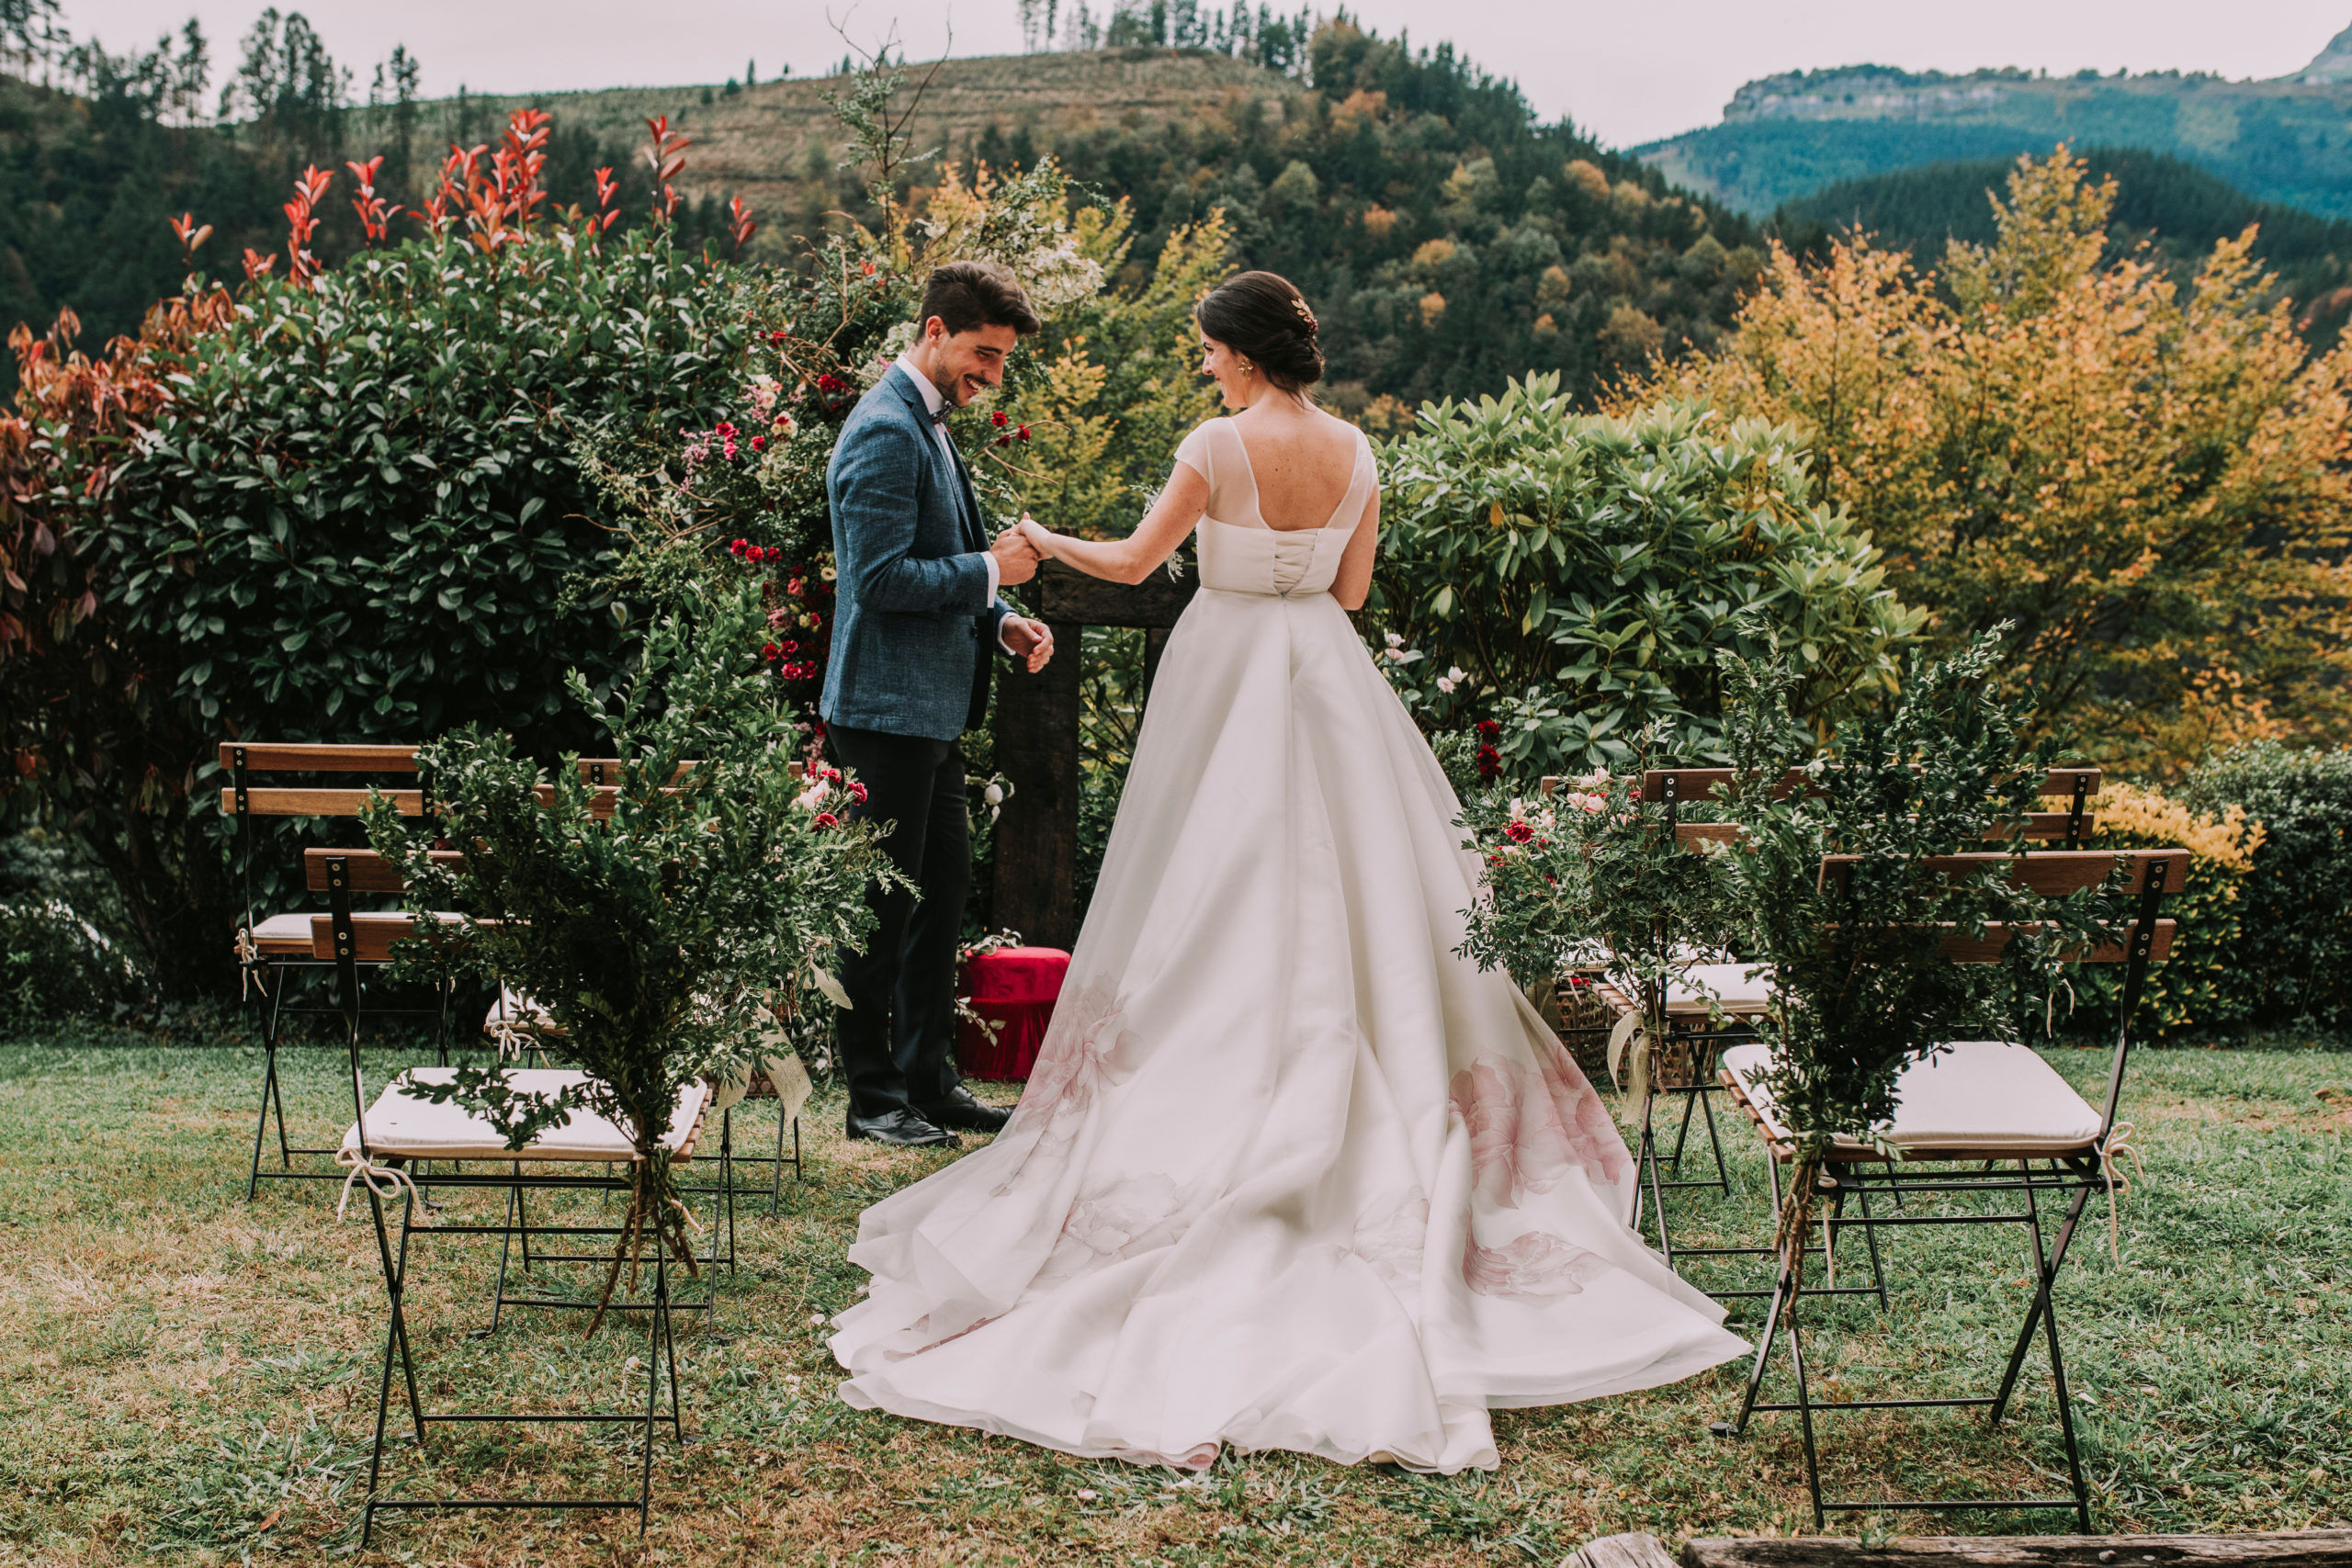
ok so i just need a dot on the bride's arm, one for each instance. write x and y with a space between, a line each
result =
1131 559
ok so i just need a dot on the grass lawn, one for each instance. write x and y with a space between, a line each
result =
196 1377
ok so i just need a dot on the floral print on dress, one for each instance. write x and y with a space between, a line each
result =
1536 1266
1391 1237
1528 1128
1122 1219
1088 1049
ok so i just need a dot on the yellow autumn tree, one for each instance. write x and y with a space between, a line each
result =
2148 479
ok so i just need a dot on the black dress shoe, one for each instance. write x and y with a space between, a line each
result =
903 1128
960 1110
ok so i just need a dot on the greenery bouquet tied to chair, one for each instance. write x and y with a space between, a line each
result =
1916 933
662 925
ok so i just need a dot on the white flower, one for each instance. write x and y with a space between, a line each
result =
993 794
763 390
807 799
1454 672
1395 640
1445 684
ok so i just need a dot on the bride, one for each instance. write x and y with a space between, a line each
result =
1289 1173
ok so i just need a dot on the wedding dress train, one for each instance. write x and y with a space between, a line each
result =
1289 1173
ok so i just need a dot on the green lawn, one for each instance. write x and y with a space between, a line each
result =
196 1377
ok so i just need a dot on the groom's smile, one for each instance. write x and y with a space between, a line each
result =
963 364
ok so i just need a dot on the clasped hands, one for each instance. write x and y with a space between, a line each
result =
1017 552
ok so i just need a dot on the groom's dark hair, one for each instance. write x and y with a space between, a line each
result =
968 295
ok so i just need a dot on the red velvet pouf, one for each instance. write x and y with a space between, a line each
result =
1013 987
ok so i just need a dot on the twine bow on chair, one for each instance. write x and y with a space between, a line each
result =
2117 1142
383 1180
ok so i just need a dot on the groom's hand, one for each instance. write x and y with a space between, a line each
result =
1017 558
1031 641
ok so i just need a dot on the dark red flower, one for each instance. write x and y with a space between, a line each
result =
827 819
1004 440
759 443
1518 833
789 647
1023 432
723 430
831 775
999 419
770 651
775 337
730 449
1489 728
739 546
828 382
857 793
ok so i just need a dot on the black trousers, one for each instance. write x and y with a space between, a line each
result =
896 1039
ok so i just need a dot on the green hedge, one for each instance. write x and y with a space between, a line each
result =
2293 955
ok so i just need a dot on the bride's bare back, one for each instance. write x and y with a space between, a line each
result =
1303 460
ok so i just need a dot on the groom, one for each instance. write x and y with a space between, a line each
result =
914 613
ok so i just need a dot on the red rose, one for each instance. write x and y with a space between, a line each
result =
831 775
1023 432
827 819
1004 440
1518 833
775 337
731 450
793 588
723 430
790 646
857 793
1489 728
770 651
739 546
759 443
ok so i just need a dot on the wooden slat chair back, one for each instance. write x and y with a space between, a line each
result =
281 781
1976 1108
1675 788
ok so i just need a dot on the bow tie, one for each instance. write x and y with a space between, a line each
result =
939 417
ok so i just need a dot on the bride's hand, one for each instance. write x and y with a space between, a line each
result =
1041 538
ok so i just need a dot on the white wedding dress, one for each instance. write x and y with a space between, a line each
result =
1289 1173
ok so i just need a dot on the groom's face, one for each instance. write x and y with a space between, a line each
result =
964 364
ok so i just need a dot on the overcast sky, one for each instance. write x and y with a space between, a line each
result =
1627 72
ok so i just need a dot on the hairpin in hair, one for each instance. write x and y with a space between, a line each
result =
1305 315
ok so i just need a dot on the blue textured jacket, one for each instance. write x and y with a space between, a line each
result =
912 617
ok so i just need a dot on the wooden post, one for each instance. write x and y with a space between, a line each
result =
1037 742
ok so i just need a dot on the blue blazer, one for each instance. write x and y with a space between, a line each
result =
912 617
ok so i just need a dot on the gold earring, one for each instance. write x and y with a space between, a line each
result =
1246 368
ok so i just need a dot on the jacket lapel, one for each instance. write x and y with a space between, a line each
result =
968 508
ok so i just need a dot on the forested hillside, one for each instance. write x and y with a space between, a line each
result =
2174 207
1447 237
1785 136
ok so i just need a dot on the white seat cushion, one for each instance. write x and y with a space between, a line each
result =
283 934
1973 1096
402 1127
1736 988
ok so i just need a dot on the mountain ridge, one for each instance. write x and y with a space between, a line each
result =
2283 140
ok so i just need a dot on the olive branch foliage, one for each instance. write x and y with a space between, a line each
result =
663 942
1594 876
1859 985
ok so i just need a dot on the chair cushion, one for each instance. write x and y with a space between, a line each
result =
1736 988
282 935
1973 1096
404 1128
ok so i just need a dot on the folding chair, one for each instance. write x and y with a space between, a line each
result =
398 1132
1712 1005
1716 1006
1981 1104
275 950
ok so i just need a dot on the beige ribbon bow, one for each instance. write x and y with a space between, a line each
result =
383 1180
2117 1142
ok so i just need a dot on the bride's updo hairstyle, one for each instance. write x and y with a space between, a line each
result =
1261 317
